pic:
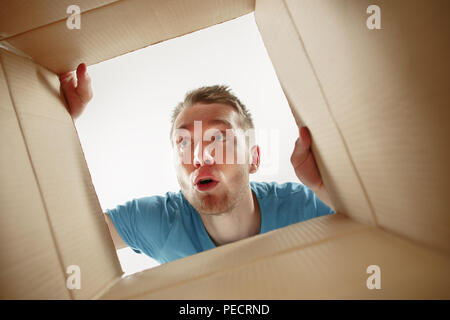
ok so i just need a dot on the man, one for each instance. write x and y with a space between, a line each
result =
217 203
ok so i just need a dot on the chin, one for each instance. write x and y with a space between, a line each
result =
213 204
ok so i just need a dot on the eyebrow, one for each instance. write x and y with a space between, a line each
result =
214 122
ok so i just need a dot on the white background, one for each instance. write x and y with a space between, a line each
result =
124 131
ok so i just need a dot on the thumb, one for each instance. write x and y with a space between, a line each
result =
305 137
67 81
302 148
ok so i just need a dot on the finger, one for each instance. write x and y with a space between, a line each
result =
65 75
69 93
308 172
300 153
84 89
81 70
305 137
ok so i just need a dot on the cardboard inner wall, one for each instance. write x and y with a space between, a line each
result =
305 96
389 93
62 219
28 15
29 263
322 258
366 95
376 102
231 256
119 27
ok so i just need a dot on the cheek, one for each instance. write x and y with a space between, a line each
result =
183 157
183 172
235 152
235 174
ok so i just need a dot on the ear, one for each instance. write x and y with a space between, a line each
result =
254 159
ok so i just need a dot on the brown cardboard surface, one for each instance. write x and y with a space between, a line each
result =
323 258
121 27
18 16
310 107
376 103
75 219
389 94
30 267
230 256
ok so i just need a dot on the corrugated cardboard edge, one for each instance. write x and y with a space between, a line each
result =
332 116
263 11
114 281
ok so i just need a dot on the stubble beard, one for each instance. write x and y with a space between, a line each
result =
216 204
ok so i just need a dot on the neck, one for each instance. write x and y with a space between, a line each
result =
242 222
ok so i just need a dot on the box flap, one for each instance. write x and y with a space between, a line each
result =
66 194
18 16
310 108
322 258
385 94
121 27
30 267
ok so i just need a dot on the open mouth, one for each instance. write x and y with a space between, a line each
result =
206 181
206 184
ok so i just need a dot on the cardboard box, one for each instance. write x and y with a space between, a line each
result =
375 101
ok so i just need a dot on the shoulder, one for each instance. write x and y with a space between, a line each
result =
149 208
144 223
170 202
286 203
288 197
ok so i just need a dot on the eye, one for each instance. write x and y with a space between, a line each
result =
183 142
219 137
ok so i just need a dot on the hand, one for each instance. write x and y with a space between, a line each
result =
77 90
305 166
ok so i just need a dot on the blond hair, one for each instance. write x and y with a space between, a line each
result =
213 94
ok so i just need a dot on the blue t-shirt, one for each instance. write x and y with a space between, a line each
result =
167 227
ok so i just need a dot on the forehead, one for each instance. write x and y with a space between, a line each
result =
209 114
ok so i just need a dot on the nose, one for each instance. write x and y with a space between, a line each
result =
202 157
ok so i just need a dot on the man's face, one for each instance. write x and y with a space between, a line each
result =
212 161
